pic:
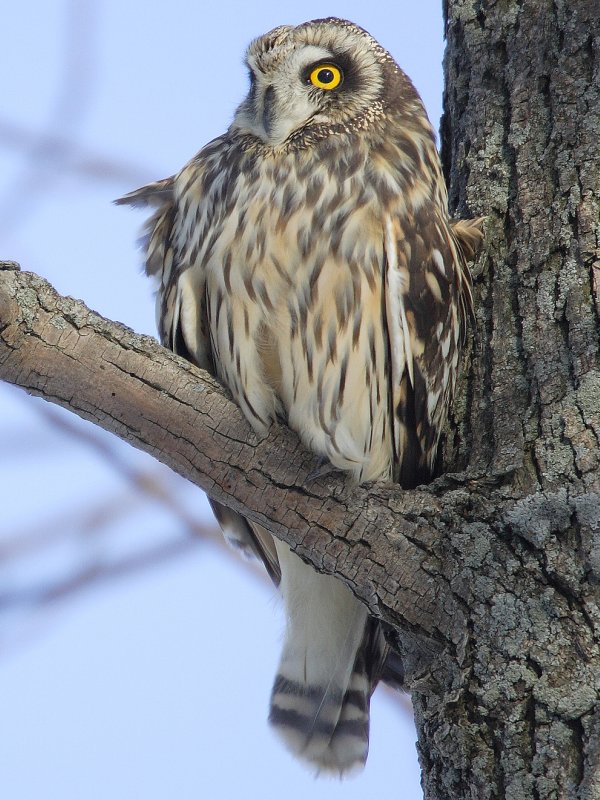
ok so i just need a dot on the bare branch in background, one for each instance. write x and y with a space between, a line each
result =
156 486
57 148
151 485
43 160
94 574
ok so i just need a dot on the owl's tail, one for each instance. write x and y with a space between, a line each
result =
330 662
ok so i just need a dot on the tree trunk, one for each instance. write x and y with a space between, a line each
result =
519 717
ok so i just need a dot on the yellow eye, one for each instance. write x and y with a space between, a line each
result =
326 76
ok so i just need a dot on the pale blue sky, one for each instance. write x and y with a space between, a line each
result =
154 685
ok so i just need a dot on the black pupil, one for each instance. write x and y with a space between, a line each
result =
325 75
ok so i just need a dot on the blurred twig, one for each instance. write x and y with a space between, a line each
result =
91 519
94 574
158 485
152 485
90 166
43 160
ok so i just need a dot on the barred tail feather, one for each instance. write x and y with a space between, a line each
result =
320 699
329 730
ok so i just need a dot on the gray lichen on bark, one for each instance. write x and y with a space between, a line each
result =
520 143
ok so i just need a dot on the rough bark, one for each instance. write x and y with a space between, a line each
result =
57 348
521 144
490 575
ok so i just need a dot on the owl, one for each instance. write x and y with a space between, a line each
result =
307 259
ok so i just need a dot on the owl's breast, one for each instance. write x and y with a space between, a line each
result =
294 291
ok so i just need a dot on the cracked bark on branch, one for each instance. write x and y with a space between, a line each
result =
55 347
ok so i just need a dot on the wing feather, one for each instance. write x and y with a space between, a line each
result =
397 286
183 327
154 194
428 301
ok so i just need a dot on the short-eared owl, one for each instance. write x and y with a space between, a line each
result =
306 258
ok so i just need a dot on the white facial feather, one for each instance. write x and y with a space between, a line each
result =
281 100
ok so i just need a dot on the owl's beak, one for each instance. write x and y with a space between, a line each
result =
267 115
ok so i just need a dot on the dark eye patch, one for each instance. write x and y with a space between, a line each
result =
344 62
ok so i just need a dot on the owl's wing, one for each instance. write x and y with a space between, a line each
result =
427 301
180 315
183 328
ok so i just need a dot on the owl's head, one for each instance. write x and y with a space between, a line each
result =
317 78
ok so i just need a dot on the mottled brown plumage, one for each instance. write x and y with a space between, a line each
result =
306 258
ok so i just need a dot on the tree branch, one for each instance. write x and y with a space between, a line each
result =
383 542
420 560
